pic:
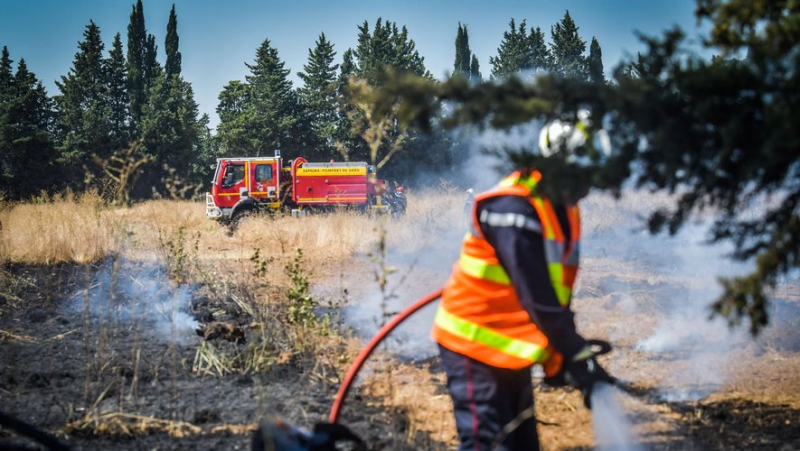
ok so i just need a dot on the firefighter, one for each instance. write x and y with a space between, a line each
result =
506 308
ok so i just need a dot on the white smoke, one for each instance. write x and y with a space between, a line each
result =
612 428
122 292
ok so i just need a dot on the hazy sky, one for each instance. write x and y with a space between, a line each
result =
218 37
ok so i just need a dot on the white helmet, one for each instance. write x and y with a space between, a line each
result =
579 144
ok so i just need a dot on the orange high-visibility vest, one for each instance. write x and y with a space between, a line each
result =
480 315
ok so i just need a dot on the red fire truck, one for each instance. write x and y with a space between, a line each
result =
247 185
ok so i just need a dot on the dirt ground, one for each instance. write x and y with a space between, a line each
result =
65 353
106 356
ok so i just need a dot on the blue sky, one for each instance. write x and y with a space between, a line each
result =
217 38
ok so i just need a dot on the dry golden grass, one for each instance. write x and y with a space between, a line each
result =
74 228
68 228
120 423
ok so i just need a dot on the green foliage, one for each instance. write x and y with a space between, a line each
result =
118 101
466 64
319 96
263 113
84 108
173 64
475 69
143 68
180 255
26 114
524 52
374 133
721 133
567 49
520 50
463 54
169 131
302 303
387 46
137 39
595 62
259 264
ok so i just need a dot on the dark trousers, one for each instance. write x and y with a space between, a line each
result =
485 400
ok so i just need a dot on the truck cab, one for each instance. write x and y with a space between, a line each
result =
243 181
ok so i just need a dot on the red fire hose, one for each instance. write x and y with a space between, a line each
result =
365 353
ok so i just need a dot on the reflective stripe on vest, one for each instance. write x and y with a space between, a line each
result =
479 334
554 249
479 269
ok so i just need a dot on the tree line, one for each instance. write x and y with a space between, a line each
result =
129 127
719 134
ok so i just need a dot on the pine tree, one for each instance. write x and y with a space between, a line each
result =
348 66
173 64
539 54
387 46
595 62
28 163
319 95
567 49
169 129
270 115
119 103
83 108
520 51
407 57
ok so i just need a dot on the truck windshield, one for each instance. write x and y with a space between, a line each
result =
234 173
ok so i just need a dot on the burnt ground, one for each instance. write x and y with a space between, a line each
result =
119 371
100 371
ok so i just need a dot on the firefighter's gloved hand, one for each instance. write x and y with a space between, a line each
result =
583 372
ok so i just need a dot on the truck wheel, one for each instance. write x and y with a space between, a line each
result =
238 217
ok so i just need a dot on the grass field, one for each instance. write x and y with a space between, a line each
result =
100 308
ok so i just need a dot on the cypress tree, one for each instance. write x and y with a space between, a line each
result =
567 49
173 64
152 68
137 41
595 62
170 129
475 69
143 68
6 76
463 54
